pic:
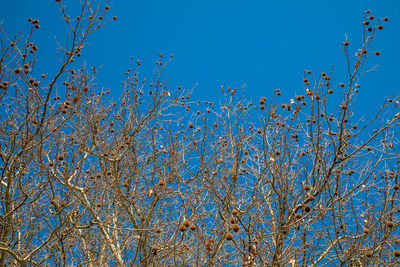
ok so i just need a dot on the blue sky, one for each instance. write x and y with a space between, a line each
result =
262 44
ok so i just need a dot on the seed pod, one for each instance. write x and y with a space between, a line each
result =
182 228
186 223
229 236
389 224
369 254
154 250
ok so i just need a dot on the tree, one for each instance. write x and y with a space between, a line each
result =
155 178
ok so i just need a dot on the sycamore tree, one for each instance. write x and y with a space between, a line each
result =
155 178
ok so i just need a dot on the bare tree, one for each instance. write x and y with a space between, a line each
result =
154 178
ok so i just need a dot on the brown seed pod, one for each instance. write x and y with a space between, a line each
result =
158 230
389 224
396 187
109 172
154 250
193 227
186 223
386 19
60 157
369 254
345 43
396 253
366 231
235 228
307 209
182 228
307 187
229 236
235 212
161 183
232 220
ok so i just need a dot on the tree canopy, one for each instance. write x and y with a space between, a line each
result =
157 178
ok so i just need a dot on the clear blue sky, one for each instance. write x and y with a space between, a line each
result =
263 44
